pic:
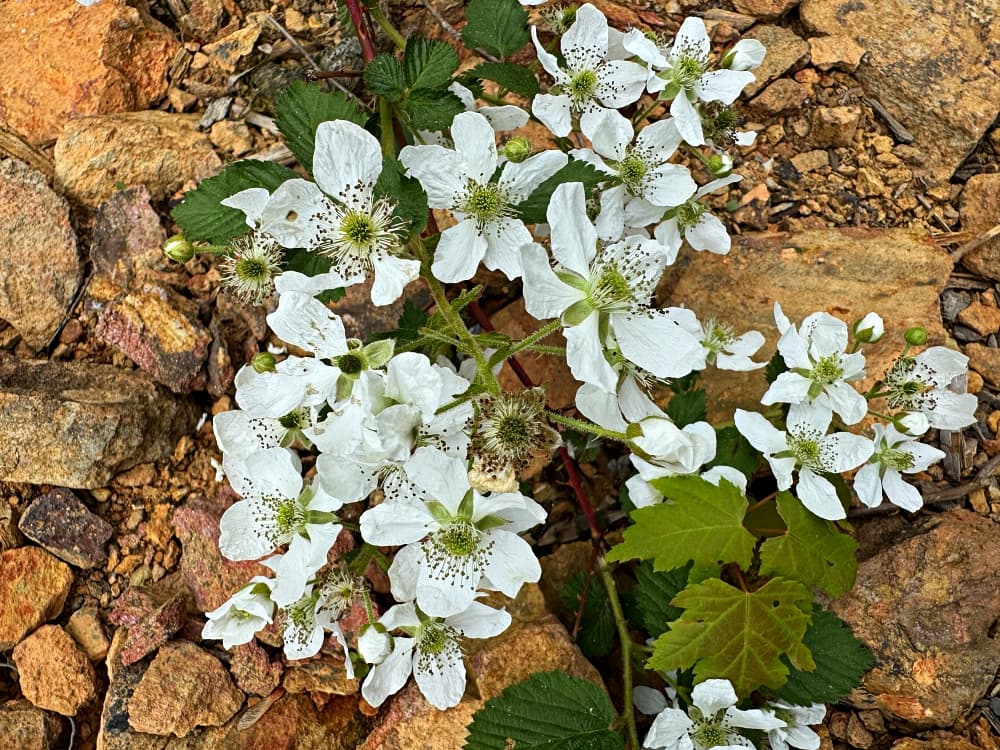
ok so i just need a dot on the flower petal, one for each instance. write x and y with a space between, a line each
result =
459 252
585 44
347 162
819 496
392 274
511 564
475 144
438 170
554 112
722 85
574 239
585 354
520 179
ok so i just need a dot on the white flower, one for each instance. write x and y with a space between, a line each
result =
374 643
643 183
466 537
242 614
921 384
431 651
461 180
590 82
894 452
682 75
819 372
610 290
307 618
357 232
250 266
239 434
712 721
692 221
869 329
746 54
806 447
798 720
722 347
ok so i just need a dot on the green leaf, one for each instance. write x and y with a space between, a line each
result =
432 110
201 215
302 108
597 625
730 634
513 77
549 710
841 661
775 366
813 551
405 192
697 522
497 26
384 77
653 592
408 328
428 64
732 449
688 407
535 205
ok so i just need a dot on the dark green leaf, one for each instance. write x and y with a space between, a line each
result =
841 661
534 207
427 64
550 711
408 328
516 78
302 108
384 77
597 625
732 449
775 366
687 407
432 110
405 192
497 26
201 215
653 592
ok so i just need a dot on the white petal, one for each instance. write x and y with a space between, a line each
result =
585 44
901 492
819 496
347 162
512 562
747 54
669 185
868 485
305 322
441 677
847 402
459 252
480 621
952 411
656 343
288 215
668 728
574 239
644 48
849 451
443 477
762 435
600 407
611 220
405 572
709 234
620 83
393 523
788 388
549 61
446 587
251 202
240 534
648 700
753 719
712 696
692 39
438 170
545 295
267 473
661 137
504 239
554 112
687 119
506 117
388 677
585 355
722 85
520 179
475 144
609 132
392 274
809 418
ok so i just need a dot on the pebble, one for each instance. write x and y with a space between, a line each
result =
985 360
781 96
835 126
836 51
810 161
53 673
128 240
154 629
63 525
765 9
980 212
88 631
34 585
253 670
26 727
785 49
981 318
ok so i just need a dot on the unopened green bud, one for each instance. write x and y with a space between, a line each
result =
263 362
719 165
178 248
517 149
915 336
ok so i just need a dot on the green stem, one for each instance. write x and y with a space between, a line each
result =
590 427
529 341
387 136
552 351
628 712
213 249
640 116
386 25
880 415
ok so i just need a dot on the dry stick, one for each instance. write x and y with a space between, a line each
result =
302 51
968 247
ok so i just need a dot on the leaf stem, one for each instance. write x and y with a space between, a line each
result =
628 712
589 427
529 341
386 25
386 135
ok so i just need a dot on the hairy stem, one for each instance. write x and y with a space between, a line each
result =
628 712
588 427
386 25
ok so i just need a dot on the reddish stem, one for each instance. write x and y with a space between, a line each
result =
585 591
355 11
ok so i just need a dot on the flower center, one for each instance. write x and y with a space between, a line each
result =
718 336
485 202
610 290
434 638
707 734
356 238
251 269
632 170
827 370
687 70
582 86
459 538
358 229
289 517
295 419
349 364
689 214
894 458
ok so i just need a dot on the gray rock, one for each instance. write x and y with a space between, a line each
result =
65 527
86 422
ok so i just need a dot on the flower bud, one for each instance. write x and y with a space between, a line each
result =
263 362
517 149
720 165
374 643
746 54
869 329
915 336
912 423
178 249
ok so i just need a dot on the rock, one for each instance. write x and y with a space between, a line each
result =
408 722
765 9
926 607
551 372
88 422
323 675
810 161
128 238
784 50
980 212
834 126
157 149
868 183
981 318
159 331
985 360
232 137
227 52
835 51
54 673
253 670
87 630
781 96
938 743
64 61
39 265
25 727
829 270
65 526
927 65
33 588
154 629
183 688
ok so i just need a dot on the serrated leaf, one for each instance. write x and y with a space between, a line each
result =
698 522
812 550
204 218
730 634
428 64
654 591
535 205
302 108
732 449
841 661
405 192
549 710
513 77
432 110
497 26
384 77
597 624
688 407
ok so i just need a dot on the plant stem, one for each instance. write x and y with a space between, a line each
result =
355 11
628 713
589 427
386 136
529 341
386 25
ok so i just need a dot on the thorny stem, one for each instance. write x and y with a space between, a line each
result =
529 341
582 426
628 712
582 600
386 25
355 11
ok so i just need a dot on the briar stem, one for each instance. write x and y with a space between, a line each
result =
386 135
528 342
213 249
355 11
628 712
880 415
589 427
386 25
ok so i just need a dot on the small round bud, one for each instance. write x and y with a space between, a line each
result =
517 149
263 362
178 249
915 336
374 643
911 423
869 329
720 165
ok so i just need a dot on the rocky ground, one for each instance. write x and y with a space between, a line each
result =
871 186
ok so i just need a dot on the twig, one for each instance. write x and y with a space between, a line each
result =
968 247
899 130
305 54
